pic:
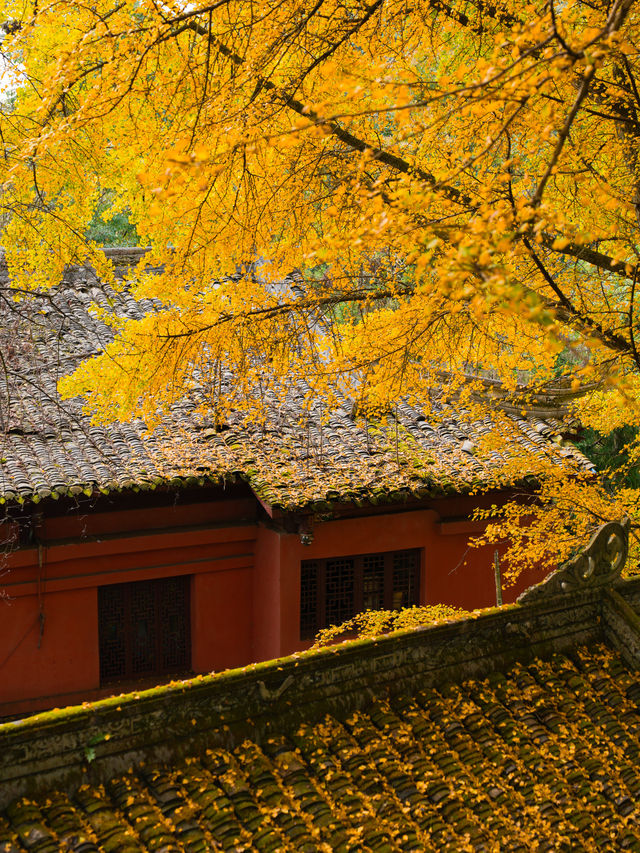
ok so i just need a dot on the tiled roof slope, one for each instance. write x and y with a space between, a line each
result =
543 757
49 448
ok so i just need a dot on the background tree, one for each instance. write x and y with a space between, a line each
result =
461 177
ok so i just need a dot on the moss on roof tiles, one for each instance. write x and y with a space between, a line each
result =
544 757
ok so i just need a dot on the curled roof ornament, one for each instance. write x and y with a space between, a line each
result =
599 564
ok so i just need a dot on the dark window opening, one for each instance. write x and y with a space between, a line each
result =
144 628
334 590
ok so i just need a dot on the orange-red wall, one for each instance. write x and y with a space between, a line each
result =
451 572
213 542
245 583
221 619
267 592
61 660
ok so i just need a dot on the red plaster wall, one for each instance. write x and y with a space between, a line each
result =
245 584
67 659
221 616
212 542
267 596
451 572
96 523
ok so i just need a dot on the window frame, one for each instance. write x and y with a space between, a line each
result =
162 590
307 631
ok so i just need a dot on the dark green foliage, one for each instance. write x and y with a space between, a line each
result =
614 454
114 230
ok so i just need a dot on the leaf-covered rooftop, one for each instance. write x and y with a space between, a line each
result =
298 456
542 757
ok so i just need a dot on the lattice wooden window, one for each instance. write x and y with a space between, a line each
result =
373 582
334 590
404 580
308 599
339 590
144 628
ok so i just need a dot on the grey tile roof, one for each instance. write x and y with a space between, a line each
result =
301 455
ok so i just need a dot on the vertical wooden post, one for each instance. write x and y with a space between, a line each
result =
498 577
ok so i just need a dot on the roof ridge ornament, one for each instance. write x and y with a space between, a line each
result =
598 564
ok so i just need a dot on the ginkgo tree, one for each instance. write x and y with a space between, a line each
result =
457 182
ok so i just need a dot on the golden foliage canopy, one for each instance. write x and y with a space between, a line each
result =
457 181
